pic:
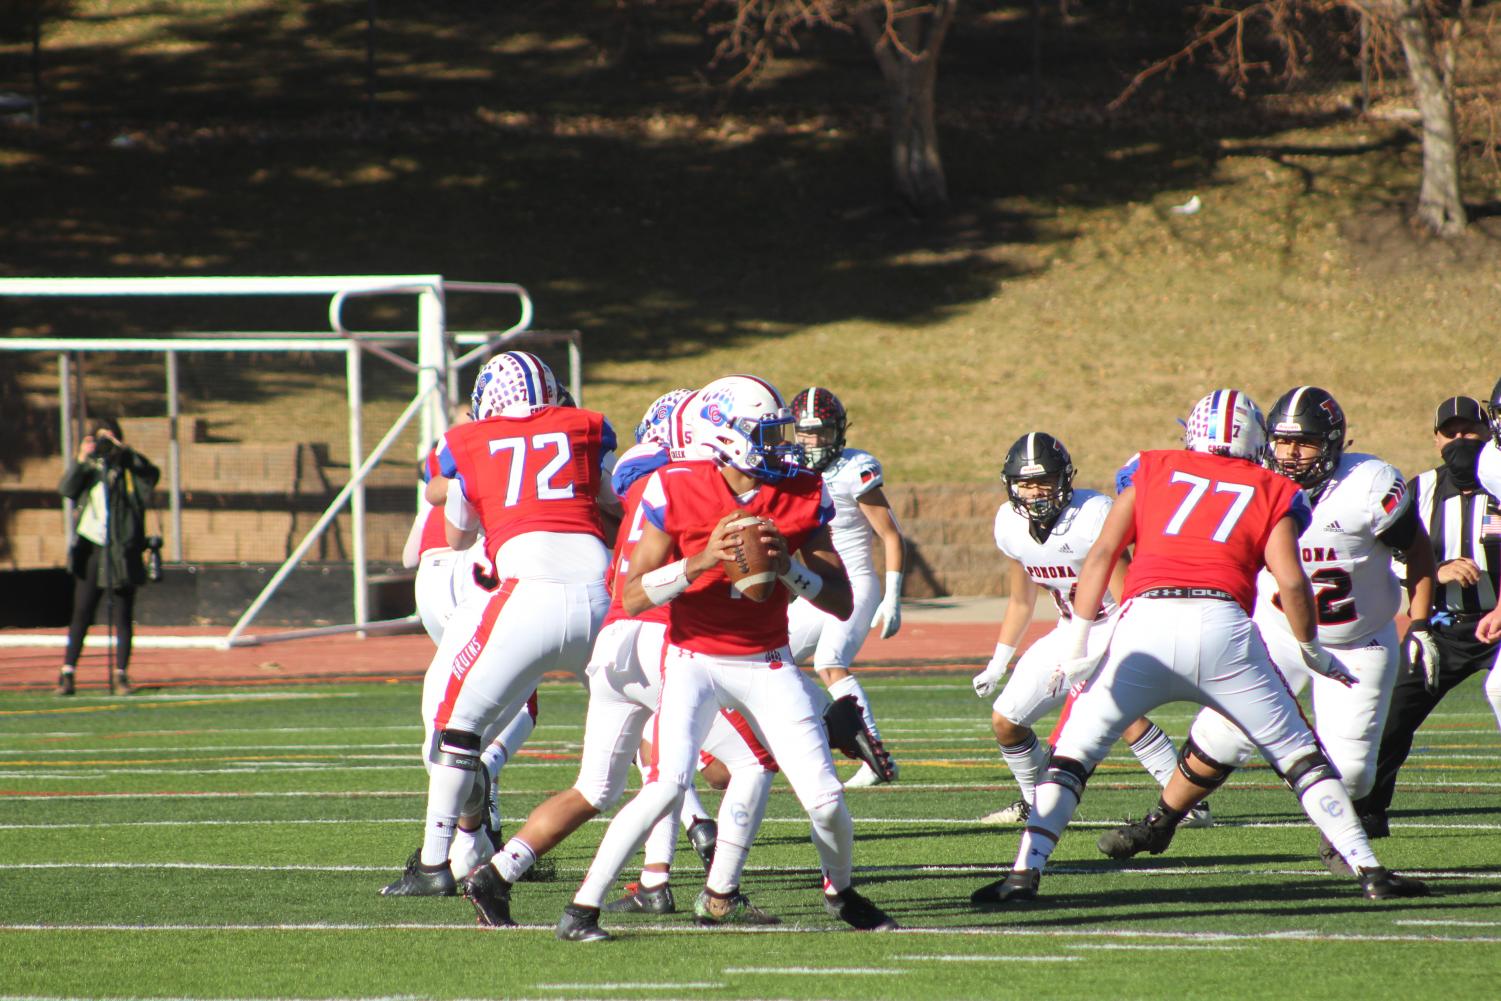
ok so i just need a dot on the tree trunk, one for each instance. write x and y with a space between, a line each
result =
1440 207
907 52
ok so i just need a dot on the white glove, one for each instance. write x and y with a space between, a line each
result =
888 617
1320 661
1422 653
986 681
1070 672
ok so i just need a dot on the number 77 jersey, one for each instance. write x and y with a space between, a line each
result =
539 473
1203 521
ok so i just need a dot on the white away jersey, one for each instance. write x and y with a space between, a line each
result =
1055 563
848 478
1488 469
1355 592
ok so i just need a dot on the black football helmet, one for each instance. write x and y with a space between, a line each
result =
1308 414
1493 409
1038 456
816 409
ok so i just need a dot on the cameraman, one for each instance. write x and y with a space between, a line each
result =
111 485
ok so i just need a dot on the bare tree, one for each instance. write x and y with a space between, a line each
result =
1415 28
905 36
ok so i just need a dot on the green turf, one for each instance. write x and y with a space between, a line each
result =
220 844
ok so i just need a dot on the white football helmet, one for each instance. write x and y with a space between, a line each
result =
742 421
1226 422
513 384
655 422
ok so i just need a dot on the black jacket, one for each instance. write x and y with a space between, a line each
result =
129 479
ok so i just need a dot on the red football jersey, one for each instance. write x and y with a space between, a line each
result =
686 500
530 474
1203 521
636 466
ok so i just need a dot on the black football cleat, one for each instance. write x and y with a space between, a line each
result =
1153 833
858 912
712 910
1019 884
1381 883
703 834
65 684
490 895
639 899
1332 859
580 924
422 881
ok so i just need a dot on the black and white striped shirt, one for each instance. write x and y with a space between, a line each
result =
1461 525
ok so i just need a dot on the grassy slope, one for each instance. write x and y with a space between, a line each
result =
689 235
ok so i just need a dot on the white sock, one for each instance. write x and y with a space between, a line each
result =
624 835
662 842
1026 760
834 837
1051 813
693 808
1155 750
509 741
1493 691
468 850
847 685
447 788
514 860
740 815
651 878
1328 805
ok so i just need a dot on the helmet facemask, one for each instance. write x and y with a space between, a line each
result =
1042 511
1307 470
742 422
829 446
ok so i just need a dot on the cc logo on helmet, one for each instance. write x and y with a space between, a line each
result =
713 414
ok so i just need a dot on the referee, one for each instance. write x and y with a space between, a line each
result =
1462 521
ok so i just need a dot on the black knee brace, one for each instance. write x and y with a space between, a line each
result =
1213 782
1067 772
1312 768
459 749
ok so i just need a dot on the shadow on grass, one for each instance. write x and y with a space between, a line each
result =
579 150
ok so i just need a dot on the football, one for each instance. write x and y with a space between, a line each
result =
751 572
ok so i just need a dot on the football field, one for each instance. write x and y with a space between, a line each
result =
229 844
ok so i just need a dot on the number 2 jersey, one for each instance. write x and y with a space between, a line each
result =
1054 563
1204 520
1362 513
686 500
530 474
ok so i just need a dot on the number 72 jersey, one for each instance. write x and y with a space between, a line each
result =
530 474
1363 512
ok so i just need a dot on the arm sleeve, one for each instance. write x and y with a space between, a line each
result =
654 502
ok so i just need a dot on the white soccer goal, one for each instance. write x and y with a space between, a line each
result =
441 354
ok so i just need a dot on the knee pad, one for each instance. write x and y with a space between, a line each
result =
1067 772
1213 782
1309 769
459 749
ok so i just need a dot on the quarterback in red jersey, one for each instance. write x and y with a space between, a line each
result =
728 652
530 473
1204 521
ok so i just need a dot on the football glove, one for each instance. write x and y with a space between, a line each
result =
986 681
1071 672
1421 653
888 617
849 735
1321 661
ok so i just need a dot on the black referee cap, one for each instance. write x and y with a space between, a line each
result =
1462 407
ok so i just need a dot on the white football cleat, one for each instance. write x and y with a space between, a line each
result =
1016 813
867 776
1198 816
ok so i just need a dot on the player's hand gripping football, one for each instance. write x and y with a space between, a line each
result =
722 545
